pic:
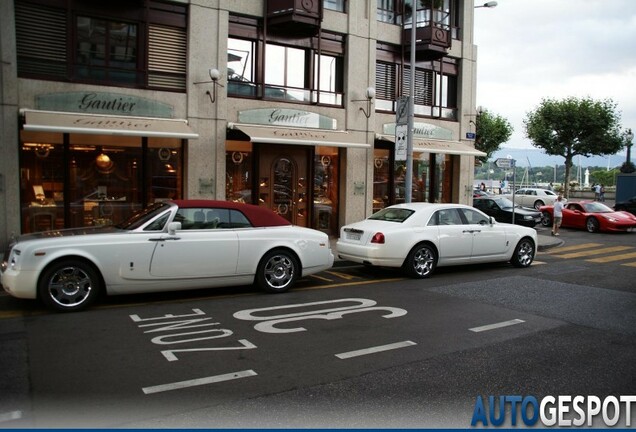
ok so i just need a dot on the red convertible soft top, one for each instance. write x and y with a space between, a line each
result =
258 216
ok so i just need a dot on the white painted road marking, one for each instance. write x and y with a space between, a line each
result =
199 381
374 350
9 416
496 325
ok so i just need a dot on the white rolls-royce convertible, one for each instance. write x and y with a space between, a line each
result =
174 245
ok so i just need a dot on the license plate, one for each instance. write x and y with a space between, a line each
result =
354 236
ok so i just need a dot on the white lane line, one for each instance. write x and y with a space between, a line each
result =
496 325
9 416
374 350
199 381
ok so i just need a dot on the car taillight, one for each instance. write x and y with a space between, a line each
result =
378 238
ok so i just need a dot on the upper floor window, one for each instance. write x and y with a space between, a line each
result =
337 5
142 45
309 71
435 92
441 13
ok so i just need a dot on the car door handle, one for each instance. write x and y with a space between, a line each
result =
467 231
160 239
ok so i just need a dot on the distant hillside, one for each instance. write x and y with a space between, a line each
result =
534 157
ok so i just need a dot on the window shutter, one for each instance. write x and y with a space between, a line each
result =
167 51
423 85
40 40
385 81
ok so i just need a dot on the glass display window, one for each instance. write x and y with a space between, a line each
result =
238 171
326 191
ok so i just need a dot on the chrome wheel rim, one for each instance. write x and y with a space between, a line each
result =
591 225
70 286
525 253
279 271
423 261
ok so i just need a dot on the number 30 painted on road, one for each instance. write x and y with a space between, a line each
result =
268 322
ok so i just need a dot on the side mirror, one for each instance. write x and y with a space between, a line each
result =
492 220
173 227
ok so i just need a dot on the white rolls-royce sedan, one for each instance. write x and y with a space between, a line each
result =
175 245
419 237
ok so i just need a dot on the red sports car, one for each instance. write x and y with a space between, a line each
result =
591 215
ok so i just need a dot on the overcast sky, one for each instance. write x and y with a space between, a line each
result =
534 49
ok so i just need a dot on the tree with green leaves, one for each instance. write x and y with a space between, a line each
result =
573 127
492 131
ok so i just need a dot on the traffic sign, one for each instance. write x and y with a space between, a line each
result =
505 163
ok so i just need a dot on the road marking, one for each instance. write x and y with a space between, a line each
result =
535 262
321 278
374 350
496 325
613 258
199 381
576 247
630 264
344 276
10 416
594 252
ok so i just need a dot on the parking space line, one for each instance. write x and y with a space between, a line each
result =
321 278
344 276
373 350
198 382
630 264
496 325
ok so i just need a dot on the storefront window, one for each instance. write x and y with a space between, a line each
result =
238 168
42 181
381 173
325 210
77 180
164 178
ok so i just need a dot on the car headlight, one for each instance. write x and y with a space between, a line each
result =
611 219
528 217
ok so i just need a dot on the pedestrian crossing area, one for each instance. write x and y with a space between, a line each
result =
597 253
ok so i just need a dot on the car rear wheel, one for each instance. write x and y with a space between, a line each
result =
538 204
524 253
546 219
592 224
277 271
69 285
421 261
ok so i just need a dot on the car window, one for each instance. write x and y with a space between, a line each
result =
238 220
190 218
521 192
446 217
547 192
159 223
392 214
474 217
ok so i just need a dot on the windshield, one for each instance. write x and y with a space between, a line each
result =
139 219
597 207
392 214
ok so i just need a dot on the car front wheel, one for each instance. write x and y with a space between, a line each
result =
421 261
591 224
546 219
524 253
69 285
277 271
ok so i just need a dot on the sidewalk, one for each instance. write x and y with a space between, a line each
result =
545 242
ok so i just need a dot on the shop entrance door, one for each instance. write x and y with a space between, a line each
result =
283 181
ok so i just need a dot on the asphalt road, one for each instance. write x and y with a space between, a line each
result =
348 348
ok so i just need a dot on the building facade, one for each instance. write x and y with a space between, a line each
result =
108 107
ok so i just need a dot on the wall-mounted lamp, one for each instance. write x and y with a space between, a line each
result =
214 78
370 95
490 4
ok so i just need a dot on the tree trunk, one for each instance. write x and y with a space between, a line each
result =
568 167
